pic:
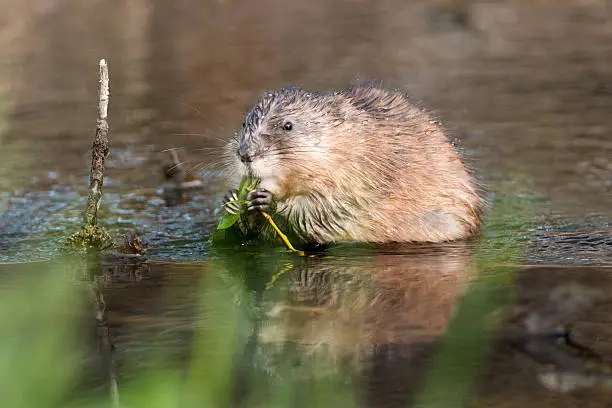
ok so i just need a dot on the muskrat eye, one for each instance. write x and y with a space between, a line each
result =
288 125
243 124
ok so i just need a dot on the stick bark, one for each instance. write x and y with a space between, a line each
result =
99 151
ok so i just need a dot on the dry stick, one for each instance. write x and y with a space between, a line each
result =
99 152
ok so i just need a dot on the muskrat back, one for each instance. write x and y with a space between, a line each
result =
361 164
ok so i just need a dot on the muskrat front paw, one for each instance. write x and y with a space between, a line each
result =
260 199
230 202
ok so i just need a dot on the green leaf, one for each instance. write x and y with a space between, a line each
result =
227 221
246 185
241 186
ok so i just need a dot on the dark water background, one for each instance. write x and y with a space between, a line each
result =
525 86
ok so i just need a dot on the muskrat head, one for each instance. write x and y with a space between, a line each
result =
283 139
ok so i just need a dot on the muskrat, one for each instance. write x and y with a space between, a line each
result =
360 164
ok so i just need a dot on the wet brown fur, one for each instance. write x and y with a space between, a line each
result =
362 164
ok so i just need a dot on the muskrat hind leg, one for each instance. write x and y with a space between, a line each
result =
261 199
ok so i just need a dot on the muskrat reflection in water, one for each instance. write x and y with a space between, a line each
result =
378 317
362 164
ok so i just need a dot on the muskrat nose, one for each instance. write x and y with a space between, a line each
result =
244 155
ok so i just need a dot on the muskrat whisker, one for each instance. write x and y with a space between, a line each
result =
204 135
201 114
203 149
194 169
222 160
209 164
172 149
194 109
177 165
229 157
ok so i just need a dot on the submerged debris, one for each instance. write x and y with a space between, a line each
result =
177 180
132 244
90 237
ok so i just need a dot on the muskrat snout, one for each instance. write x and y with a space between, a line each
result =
244 154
